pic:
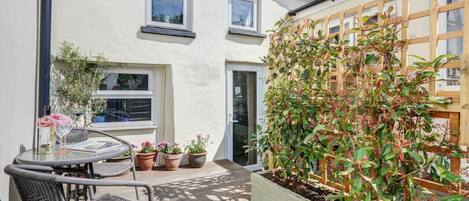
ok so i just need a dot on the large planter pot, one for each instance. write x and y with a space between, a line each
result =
197 160
146 161
171 161
263 189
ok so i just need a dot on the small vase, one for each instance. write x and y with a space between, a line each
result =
44 140
197 160
172 161
146 161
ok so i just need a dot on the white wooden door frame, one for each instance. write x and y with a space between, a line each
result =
260 82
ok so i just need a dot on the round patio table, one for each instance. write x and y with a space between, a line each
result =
71 158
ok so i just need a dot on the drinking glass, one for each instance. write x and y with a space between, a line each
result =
64 126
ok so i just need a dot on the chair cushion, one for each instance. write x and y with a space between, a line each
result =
111 169
109 197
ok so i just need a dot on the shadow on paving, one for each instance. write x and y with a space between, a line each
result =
226 186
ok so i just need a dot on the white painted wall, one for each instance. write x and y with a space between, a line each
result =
195 82
17 81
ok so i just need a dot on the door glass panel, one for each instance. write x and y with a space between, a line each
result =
244 116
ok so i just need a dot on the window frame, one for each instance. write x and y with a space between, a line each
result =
254 27
347 20
150 22
443 49
130 94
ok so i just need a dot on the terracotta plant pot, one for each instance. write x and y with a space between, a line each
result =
172 161
146 161
197 160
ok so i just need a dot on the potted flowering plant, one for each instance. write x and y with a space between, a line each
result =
48 127
146 156
172 154
197 151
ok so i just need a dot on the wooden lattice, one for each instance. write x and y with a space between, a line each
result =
457 112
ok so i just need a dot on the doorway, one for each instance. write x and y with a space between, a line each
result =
245 110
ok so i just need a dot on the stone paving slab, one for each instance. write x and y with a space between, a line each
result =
217 180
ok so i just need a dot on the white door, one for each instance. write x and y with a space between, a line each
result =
245 110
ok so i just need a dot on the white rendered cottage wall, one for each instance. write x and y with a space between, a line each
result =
195 69
17 81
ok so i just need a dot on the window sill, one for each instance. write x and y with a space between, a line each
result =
167 31
246 33
124 127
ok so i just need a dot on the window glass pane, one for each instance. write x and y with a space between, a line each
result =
454 20
168 11
125 110
242 13
334 29
123 81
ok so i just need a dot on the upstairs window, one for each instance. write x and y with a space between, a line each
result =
450 21
167 13
243 14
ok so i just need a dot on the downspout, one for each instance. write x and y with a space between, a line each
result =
43 72
44 57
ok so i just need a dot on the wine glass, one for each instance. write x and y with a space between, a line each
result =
63 126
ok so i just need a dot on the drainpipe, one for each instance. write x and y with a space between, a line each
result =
44 57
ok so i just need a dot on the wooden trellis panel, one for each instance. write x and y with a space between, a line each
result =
460 99
457 112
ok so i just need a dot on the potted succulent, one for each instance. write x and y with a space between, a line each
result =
172 155
197 151
146 156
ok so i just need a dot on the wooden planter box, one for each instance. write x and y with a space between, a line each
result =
263 189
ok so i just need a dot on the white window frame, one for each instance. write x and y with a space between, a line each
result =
442 49
127 94
150 22
255 16
348 20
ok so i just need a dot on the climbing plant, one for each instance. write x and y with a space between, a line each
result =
376 124
81 77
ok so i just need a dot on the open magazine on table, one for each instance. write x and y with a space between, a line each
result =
94 146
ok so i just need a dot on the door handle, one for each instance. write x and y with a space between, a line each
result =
233 120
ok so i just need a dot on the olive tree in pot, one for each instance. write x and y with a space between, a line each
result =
146 156
172 154
76 78
197 151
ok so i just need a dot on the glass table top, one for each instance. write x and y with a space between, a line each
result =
71 157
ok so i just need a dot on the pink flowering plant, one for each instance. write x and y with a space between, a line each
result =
147 147
199 145
61 119
54 120
169 148
46 121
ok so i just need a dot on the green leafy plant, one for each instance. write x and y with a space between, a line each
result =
168 148
376 125
198 145
81 78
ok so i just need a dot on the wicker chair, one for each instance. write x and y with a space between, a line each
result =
103 170
37 183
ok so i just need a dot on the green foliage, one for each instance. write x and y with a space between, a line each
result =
169 148
198 145
81 77
376 126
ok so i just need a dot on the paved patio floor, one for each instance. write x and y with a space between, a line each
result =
217 180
